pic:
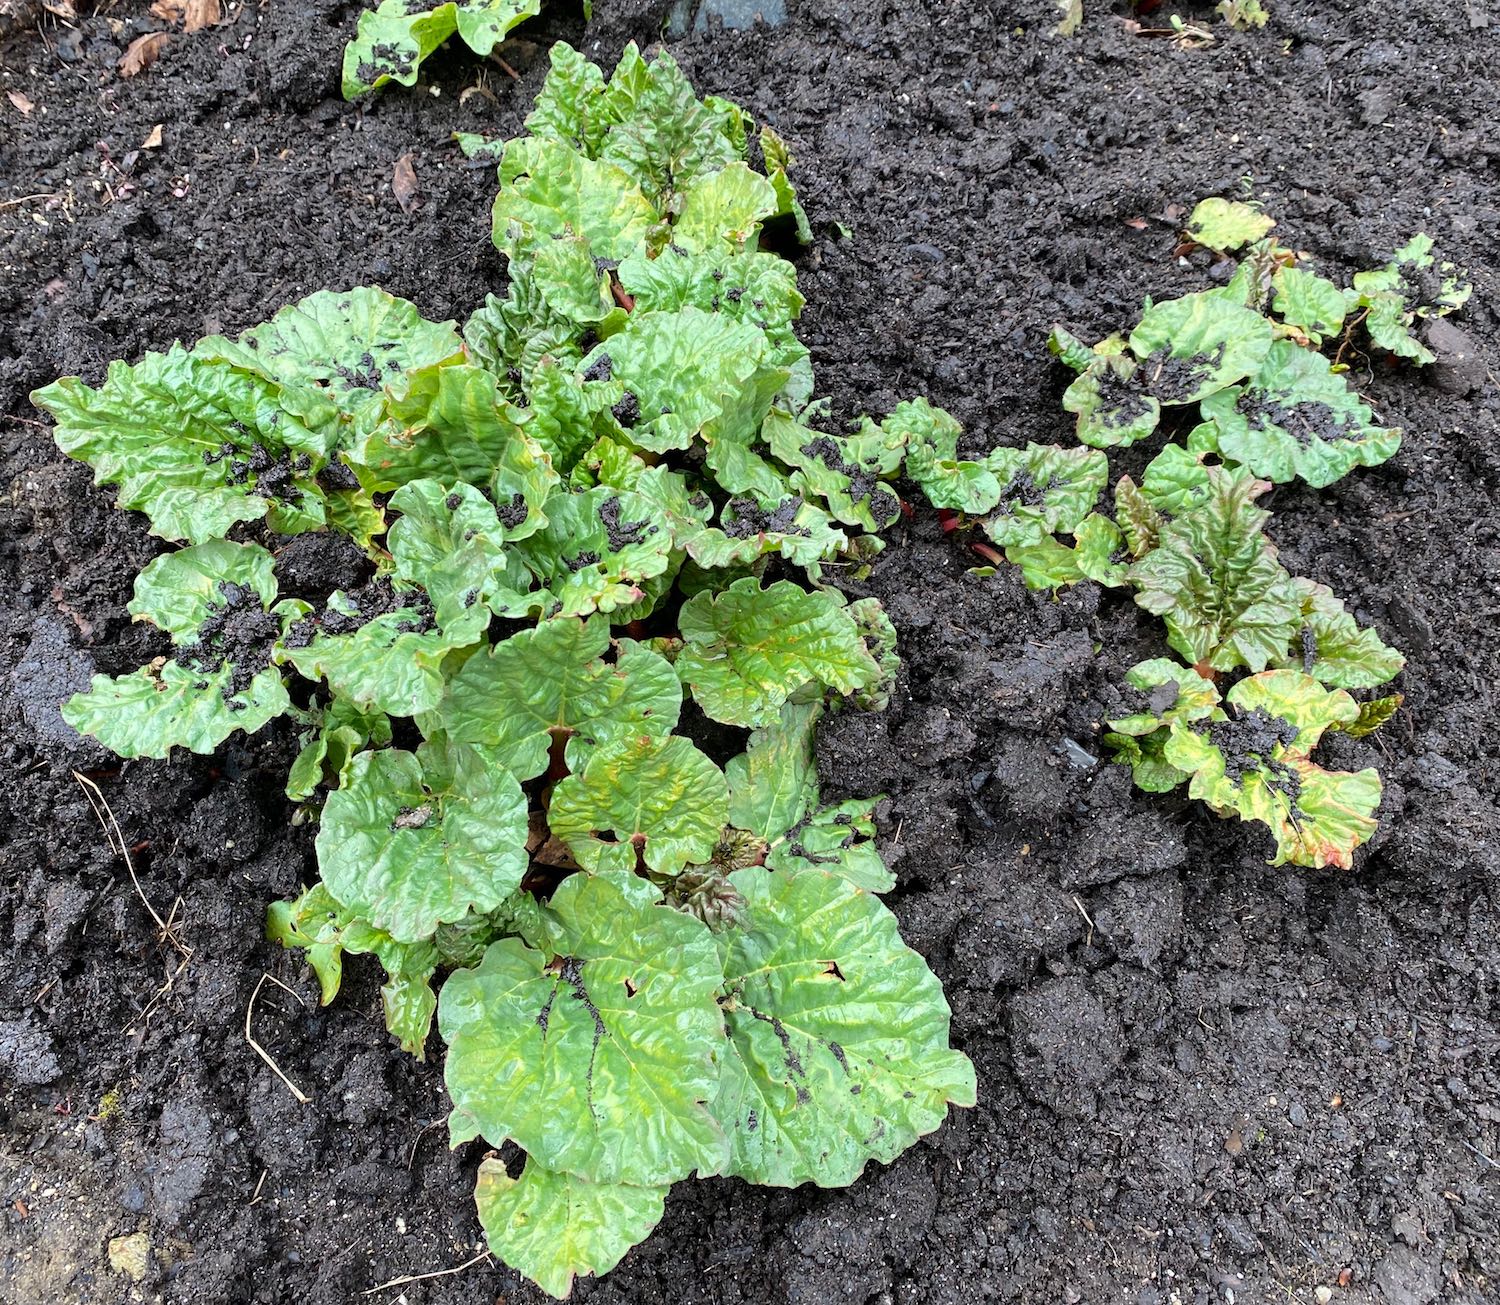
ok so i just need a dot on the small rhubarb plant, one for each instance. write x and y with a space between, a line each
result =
559 740
1236 389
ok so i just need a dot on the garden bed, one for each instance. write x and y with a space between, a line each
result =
1198 1074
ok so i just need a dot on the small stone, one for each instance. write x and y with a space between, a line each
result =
1457 367
128 1255
1323 1295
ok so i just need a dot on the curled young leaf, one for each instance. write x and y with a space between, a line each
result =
1215 579
1044 490
932 460
847 471
1334 648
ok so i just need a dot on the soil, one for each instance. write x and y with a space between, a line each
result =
1201 1078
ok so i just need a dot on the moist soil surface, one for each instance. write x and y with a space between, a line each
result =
1201 1078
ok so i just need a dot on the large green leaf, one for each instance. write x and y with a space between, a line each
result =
179 591
553 1227
1252 761
1334 648
747 649
154 709
392 40
1214 578
1043 489
838 1031
773 782
547 190
195 444
655 799
410 841
1192 346
724 210
1298 419
597 1055
553 681
350 346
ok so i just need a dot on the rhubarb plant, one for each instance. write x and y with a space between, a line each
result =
1236 389
559 738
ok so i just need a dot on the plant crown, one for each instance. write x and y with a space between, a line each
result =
1189 539
608 496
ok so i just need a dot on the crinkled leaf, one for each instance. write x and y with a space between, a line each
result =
1254 763
879 634
747 649
1113 408
1334 648
1149 769
179 591
668 140
773 782
838 1034
597 548
451 542
932 459
553 678
455 427
1427 288
793 528
1043 489
1192 346
685 370
339 732
350 346
1139 521
178 434
391 663
392 40
547 189
724 209
779 162
1214 578
1046 563
571 105
412 840
1175 481
1310 303
1069 350
1099 550
839 839
847 471
1172 691
596 1056
554 1227
1226 224
150 711
1296 418
659 799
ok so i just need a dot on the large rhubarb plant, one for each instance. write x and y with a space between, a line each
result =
1236 389
559 738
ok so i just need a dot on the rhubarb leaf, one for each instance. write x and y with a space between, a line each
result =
1334 648
1298 419
555 1227
932 460
838 1034
392 40
1225 225
658 799
1311 304
1192 346
747 649
1044 490
597 1055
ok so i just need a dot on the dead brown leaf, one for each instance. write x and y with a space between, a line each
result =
62 8
1136 223
170 11
141 53
404 184
21 100
201 14
153 141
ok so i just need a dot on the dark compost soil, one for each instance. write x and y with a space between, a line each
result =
1201 1078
